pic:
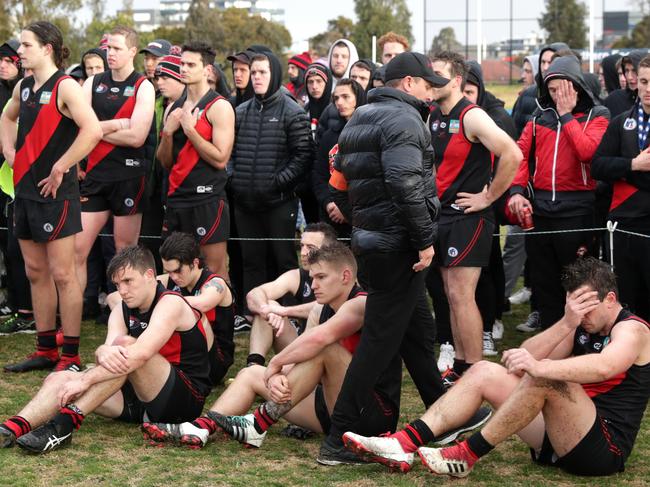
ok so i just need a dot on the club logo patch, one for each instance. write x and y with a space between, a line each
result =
629 124
443 125
129 202
115 89
200 231
583 339
434 125
101 88
306 290
48 227
452 252
129 91
24 94
45 97
454 126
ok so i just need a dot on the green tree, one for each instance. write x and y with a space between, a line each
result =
175 35
340 27
376 17
241 30
564 21
7 27
204 23
445 41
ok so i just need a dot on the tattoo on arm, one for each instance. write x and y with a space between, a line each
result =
215 284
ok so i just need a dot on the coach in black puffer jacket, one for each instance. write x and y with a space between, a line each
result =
273 147
386 157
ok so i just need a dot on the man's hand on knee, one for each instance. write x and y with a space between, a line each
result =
519 361
71 390
113 358
279 388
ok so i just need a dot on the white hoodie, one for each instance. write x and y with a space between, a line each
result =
354 57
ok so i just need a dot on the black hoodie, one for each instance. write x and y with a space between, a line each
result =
315 107
247 93
368 64
97 52
622 100
610 73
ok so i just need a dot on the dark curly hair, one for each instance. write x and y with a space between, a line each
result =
588 271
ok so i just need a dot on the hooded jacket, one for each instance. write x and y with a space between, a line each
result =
316 107
564 147
610 73
622 100
384 178
273 146
354 57
368 64
247 93
97 52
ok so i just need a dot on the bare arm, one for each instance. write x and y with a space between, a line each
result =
215 152
135 132
347 320
9 127
213 293
72 103
479 127
285 283
165 153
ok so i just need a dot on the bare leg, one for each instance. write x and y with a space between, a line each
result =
216 258
460 285
92 223
126 230
240 395
261 338
44 405
44 299
61 260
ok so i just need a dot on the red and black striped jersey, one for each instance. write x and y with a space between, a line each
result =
44 135
461 165
187 350
192 180
620 400
113 100
221 318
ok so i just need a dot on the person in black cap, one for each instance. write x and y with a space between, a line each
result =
384 184
241 74
152 54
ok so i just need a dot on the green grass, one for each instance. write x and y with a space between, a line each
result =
107 452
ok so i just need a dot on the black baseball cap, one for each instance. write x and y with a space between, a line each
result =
158 47
10 48
413 64
242 57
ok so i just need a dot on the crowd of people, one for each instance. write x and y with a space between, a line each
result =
189 196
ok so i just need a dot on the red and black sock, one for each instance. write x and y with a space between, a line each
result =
478 445
205 423
46 343
70 347
414 435
18 425
263 420
70 416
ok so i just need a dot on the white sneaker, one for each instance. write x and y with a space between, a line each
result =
497 330
446 357
520 297
532 323
240 428
489 350
379 449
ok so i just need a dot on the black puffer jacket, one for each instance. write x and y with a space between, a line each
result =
273 147
386 157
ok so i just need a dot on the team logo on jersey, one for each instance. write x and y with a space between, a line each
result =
132 163
115 89
434 125
204 189
129 91
598 346
133 323
45 97
24 94
48 227
200 231
454 126
452 252
454 206
101 88
129 202
583 339
629 124
306 291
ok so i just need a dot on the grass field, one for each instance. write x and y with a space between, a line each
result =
106 452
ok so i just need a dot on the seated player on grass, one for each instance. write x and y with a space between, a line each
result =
575 393
269 315
203 290
154 365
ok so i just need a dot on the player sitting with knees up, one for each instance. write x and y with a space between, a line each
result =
203 290
575 393
263 300
154 364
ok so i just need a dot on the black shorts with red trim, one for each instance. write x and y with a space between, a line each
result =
121 198
595 455
380 415
178 401
464 241
208 222
43 222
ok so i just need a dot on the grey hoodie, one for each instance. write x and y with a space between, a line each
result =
354 57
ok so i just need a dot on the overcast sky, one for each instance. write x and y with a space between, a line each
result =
307 18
